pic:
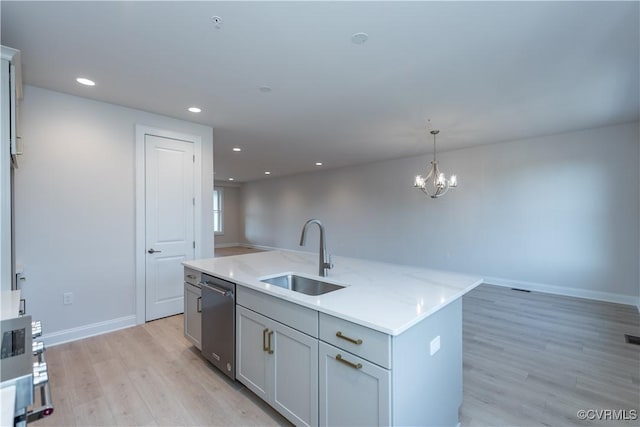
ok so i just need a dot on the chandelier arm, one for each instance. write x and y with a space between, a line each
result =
435 183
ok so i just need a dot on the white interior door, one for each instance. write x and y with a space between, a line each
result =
169 218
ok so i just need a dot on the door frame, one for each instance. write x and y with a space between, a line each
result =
140 227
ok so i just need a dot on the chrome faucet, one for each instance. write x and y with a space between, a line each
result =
324 257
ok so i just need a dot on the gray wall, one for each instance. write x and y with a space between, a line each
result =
232 216
75 206
556 213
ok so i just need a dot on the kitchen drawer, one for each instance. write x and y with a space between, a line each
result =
192 277
293 315
362 341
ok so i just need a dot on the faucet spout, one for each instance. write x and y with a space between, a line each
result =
324 261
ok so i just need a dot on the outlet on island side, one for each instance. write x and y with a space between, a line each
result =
67 298
435 345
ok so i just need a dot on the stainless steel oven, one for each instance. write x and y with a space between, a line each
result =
219 323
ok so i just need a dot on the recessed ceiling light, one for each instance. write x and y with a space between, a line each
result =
359 38
265 89
230 179
318 163
194 109
85 82
267 173
237 149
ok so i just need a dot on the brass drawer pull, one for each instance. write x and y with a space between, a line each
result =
351 340
346 362
264 339
269 342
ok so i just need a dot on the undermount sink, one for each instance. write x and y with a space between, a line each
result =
301 284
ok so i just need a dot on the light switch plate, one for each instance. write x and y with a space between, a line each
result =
67 298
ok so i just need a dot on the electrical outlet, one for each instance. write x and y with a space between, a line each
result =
67 298
435 345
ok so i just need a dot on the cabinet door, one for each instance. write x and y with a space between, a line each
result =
353 392
252 363
295 375
192 314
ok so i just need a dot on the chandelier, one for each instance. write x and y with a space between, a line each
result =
435 184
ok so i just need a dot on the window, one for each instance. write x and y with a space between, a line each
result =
218 195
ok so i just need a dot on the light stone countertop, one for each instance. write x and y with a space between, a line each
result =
389 298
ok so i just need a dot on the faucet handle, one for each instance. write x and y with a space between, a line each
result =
329 263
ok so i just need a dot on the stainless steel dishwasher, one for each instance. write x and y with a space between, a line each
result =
219 323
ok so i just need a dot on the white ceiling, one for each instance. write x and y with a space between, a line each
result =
482 72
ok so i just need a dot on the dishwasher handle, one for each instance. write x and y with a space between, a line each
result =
222 291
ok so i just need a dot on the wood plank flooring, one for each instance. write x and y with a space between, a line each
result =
145 376
530 359
534 359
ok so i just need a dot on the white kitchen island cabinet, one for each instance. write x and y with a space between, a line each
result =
353 391
252 361
193 307
386 349
370 378
279 364
193 314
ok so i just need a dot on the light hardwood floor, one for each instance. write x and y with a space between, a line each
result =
530 359
146 375
534 359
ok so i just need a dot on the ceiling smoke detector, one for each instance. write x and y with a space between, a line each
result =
217 21
359 38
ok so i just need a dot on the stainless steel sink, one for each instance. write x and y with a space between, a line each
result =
302 284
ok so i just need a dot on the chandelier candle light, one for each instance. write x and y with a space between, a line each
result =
435 183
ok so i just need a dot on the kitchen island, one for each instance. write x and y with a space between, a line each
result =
386 349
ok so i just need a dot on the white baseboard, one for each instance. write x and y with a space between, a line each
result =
569 292
248 245
265 248
228 245
87 331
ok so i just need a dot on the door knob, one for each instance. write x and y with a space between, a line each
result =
153 251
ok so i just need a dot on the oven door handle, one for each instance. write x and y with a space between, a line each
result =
221 291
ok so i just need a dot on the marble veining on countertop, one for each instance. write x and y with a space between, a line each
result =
386 297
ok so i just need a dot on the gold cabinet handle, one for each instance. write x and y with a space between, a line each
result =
346 362
199 305
351 340
264 339
269 342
